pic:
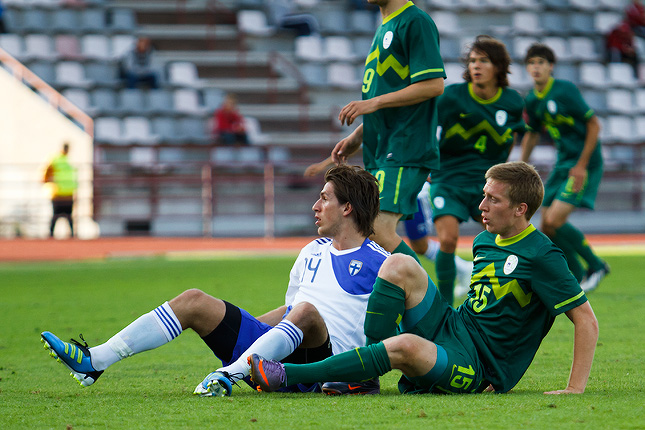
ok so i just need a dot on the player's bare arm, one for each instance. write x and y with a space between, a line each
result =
579 171
531 138
317 168
348 146
413 94
584 347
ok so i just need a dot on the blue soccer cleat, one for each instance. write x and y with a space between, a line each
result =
73 355
216 384
268 374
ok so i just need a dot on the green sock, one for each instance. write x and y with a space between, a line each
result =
572 256
403 248
580 245
359 364
385 309
446 273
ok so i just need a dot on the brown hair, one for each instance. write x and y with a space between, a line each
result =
359 188
496 51
540 50
524 184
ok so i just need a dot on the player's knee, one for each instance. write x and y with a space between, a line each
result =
398 268
402 349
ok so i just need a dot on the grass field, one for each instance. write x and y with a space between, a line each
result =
153 389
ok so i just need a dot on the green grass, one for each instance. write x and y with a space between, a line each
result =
153 389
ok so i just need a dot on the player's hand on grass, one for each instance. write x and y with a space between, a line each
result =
568 390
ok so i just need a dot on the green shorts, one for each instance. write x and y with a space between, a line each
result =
462 202
558 187
458 368
399 187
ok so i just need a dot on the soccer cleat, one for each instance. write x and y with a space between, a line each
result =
371 386
268 374
75 356
594 278
216 384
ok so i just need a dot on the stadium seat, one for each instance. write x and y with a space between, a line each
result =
108 130
556 4
71 74
254 22
192 129
527 4
596 100
621 75
160 101
583 49
581 23
315 74
605 21
619 101
454 71
566 71
586 5
450 49
186 100
500 5
621 129
519 78
254 132
136 129
333 21
104 101
13 44
36 20
92 20
447 23
95 47
362 45
68 47
560 47
102 73
473 5
65 20
521 45
44 70
342 75
639 122
362 21
183 73
122 44
338 48
132 101
639 100
616 6
526 22
79 97
122 20
39 46
593 75
555 23
443 4
309 48
213 98
164 129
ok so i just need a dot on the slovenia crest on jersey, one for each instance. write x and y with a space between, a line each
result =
501 116
387 39
355 266
551 107
511 264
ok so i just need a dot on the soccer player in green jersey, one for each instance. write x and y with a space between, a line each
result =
558 106
520 283
404 74
479 122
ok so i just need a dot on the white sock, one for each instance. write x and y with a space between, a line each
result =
463 265
149 331
433 249
275 344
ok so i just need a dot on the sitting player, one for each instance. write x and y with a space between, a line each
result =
521 282
324 311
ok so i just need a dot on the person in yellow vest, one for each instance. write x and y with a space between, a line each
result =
63 177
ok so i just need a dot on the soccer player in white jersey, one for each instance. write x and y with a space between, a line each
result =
323 314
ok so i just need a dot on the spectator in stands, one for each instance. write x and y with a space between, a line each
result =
138 65
635 17
228 123
621 46
63 177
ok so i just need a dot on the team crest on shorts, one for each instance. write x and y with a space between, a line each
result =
355 266
439 202
387 39
501 116
511 264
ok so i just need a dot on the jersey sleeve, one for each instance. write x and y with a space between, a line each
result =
576 104
423 50
553 282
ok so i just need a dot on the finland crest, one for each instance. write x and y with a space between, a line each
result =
511 264
355 266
